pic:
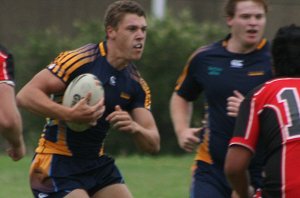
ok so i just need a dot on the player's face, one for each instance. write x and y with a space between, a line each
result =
248 23
130 37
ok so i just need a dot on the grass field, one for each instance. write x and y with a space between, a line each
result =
147 177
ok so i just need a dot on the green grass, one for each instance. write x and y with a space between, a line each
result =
146 177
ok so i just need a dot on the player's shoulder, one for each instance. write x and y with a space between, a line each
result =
206 50
4 53
89 52
274 85
136 76
69 61
283 82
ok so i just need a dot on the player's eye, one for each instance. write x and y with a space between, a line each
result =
132 28
144 29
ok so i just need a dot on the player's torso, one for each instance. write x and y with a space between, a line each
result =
279 127
120 88
220 73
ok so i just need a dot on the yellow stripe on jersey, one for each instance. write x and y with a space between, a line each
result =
148 93
58 147
186 68
67 62
182 77
102 49
66 56
203 150
76 66
40 170
256 73
262 44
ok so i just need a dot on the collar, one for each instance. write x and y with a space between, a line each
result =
103 48
261 44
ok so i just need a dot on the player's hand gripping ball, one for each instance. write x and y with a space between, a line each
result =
78 89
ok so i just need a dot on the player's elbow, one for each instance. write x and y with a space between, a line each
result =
151 147
20 100
155 148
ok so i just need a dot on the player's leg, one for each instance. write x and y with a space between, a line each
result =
115 191
57 184
209 181
78 193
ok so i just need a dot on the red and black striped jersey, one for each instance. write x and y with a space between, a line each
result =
270 114
6 67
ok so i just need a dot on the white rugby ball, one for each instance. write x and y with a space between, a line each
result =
77 90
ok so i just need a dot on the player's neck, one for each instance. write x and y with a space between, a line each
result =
114 58
235 46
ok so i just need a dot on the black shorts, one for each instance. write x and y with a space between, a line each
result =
54 175
209 181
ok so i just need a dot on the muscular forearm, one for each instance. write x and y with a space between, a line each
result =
38 102
11 128
147 140
240 183
10 118
181 112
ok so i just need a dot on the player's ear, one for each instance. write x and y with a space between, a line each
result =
229 21
110 32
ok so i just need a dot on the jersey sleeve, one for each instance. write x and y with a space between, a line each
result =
67 63
6 67
143 96
187 85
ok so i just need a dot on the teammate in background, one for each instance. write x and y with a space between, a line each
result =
10 119
271 113
232 66
72 164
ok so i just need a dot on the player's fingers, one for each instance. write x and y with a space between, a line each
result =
233 100
197 131
232 114
238 94
189 148
118 108
88 97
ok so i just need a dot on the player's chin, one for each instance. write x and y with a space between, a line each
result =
136 57
253 39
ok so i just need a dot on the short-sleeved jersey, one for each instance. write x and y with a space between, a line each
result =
6 67
271 114
217 72
125 88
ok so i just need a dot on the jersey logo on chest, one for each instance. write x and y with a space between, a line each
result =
214 71
237 63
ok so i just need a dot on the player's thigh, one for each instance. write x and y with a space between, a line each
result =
209 181
78 193
115 191
205 190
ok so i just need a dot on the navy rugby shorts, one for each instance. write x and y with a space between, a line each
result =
209 181
54 175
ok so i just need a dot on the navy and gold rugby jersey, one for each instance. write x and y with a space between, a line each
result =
217 72
6 67
125 88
